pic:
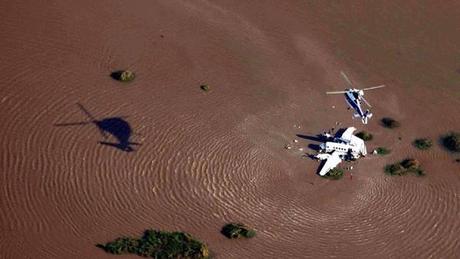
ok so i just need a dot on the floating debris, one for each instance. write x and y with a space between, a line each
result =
295 141
287 147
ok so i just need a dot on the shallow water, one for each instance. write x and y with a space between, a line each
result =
207 158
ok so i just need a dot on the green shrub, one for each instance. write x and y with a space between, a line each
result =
159 244
394 169
390 123
123 75
383 151
237 230
422 143
334 174
452 141
364 135
405 166
205 88
121 245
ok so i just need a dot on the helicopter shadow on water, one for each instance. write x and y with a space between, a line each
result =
118 127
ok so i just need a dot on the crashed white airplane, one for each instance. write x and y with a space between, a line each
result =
347 146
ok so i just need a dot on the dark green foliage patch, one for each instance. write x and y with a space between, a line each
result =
205 88
159 244
405 166
237 230
451 141
123 75
383 151
390 123
422 143
334 174
364 135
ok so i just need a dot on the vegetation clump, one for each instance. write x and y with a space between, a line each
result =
422 143
205 88
383 151
452 141
364 135
405 166
159 244
237 230
390 123
123 75
334 173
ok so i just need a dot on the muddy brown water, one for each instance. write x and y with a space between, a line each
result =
208 158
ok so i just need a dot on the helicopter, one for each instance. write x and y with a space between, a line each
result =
354 96
115 126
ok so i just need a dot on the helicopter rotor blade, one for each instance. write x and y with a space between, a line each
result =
374 87
346 78
336 92
367 103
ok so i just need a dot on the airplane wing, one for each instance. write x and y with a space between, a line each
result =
346 135
331 162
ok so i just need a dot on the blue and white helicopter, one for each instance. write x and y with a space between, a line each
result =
354 97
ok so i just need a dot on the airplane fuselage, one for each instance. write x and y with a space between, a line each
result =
342 148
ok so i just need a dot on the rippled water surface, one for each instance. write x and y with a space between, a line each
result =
85 159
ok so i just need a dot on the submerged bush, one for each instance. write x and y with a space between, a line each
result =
405 166
383 151
121 245
159 244
390 123
237 230
334 174
422 143
205 88
452 141
123 75
364 135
